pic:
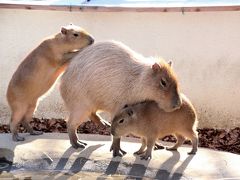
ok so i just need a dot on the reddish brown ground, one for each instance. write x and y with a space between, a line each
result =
218 139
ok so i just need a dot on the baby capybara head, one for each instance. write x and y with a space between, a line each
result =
163 86
122 122
76 37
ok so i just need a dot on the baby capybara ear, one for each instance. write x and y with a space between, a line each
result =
64 30
155 67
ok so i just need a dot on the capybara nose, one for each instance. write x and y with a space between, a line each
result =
177 104
113 132
91 40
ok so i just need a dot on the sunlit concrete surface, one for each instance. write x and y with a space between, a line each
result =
50 156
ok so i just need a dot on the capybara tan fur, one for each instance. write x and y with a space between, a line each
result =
150 122
38 72
107 75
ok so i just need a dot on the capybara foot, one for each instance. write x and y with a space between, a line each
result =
138 152
158 146
192 152
78 144
82 142
16 138
171 149
36 132
117 151
145 156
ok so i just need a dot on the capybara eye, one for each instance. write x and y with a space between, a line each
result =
75 34
163 83
121 121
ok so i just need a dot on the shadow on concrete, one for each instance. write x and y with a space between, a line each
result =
180 170
79 162
169 164
138 168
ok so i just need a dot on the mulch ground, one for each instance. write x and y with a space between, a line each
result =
218 139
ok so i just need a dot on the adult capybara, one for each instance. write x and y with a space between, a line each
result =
107 75
150 122
38 72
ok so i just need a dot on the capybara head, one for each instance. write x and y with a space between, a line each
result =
76 37
163 86
122 122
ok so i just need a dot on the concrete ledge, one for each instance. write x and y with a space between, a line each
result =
50 156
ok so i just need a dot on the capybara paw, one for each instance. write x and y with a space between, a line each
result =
78 145
118 153
146 156
171 149
158 146
17 138
36 133
123 152
82 143
192 153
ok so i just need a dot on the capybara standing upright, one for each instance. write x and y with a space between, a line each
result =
150 122
38 72
108 75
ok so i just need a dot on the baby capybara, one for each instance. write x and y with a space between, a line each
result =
150 122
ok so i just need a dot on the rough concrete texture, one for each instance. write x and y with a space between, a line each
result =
50 156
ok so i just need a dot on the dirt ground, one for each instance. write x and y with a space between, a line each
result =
218 139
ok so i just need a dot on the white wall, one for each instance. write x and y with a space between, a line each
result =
204 46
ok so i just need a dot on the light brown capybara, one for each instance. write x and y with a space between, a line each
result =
38 72
107 75
150 122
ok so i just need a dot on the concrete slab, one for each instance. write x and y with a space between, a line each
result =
50 156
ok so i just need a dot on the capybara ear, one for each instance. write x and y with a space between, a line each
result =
155 67
170 63
64 30
130 112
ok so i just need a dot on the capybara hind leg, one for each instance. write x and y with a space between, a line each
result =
142 148
26 121
75 119
180 140
16 118
194 138
148 153
98 121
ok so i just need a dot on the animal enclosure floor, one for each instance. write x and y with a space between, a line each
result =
50 156
217 139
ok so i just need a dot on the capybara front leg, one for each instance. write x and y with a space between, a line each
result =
148 153
116 148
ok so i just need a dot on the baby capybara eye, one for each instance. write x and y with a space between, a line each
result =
163 83
121 121
75 34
